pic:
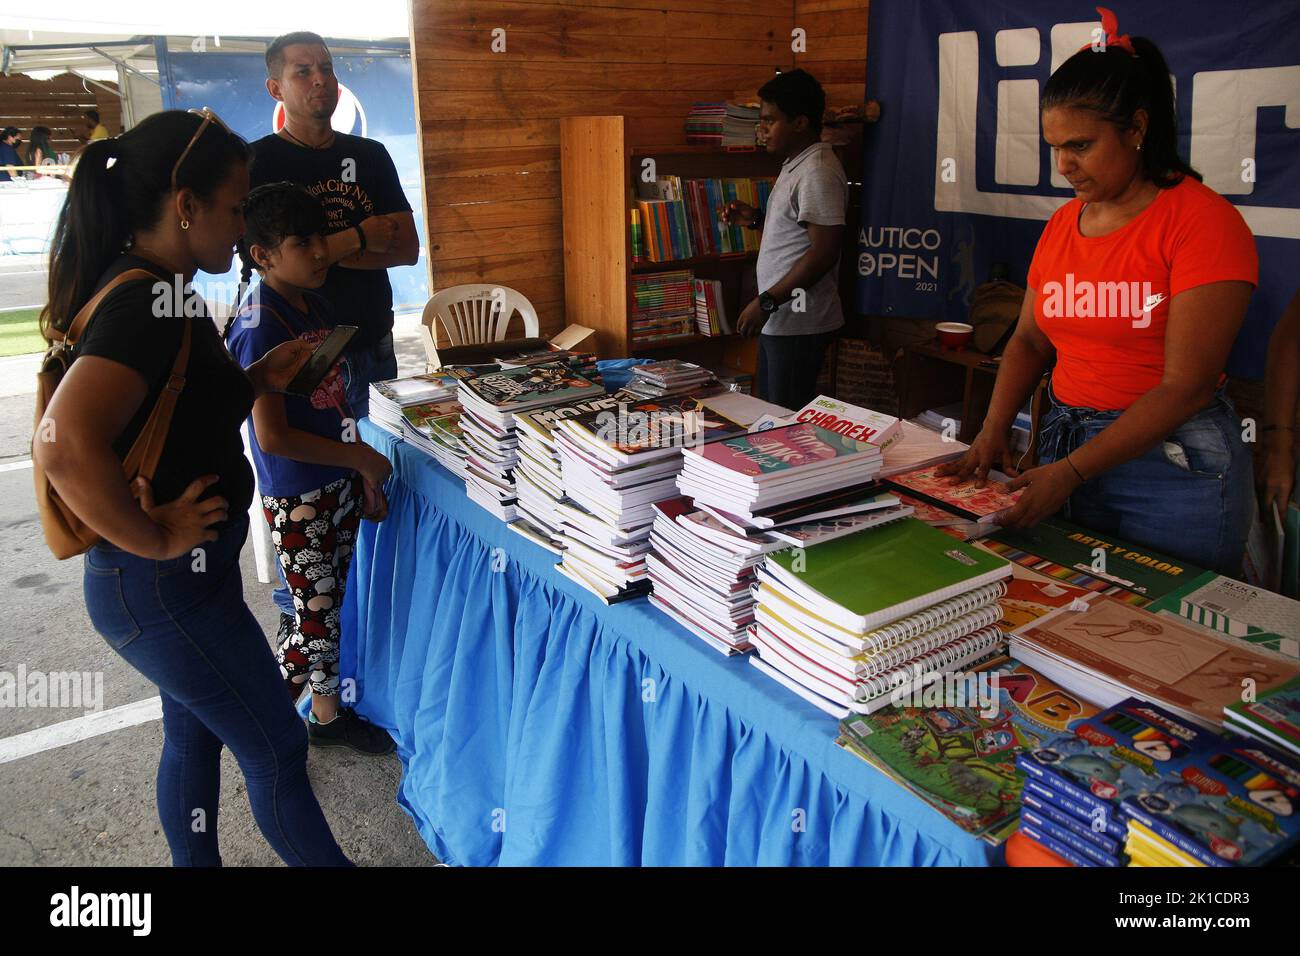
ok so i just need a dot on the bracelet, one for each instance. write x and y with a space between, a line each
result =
361 235
1075 470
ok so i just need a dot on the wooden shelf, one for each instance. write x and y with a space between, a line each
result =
600 157
694 261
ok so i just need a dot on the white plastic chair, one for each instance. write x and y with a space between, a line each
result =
474 314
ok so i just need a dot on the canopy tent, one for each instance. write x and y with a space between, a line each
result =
101 43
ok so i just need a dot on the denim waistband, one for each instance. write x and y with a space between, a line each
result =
1065 427
226 549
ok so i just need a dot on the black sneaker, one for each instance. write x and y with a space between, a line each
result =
350 729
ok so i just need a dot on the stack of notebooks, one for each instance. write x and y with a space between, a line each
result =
744 474
1108 650
851 623
389 398
663 306
1138 781
434 428
539 484
704 123
615 465
740 124
957 751
853 421
669 378
489 403
1273 717
702 572
711 317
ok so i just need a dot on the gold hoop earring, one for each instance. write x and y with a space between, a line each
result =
185 223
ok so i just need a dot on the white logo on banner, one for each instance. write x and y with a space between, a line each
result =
347 115
1225 105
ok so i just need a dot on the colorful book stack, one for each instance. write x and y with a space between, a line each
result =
958 754
702 571
1274 717
852 421
615 466
434 428
539 485
1138 779
852 623
669 378
711 317
704 124
489 403
387 399
740 124
1076 782
663 306
678 218
979 505
1109 650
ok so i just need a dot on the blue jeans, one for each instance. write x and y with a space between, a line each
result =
1189 496
378 363
185 626
789 365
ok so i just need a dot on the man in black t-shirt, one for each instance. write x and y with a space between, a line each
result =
369 222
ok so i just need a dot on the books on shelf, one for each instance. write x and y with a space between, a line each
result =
1110 650
711 316
744 474
388 398
856 618
615 464
663 306
722 124
678 218
958 755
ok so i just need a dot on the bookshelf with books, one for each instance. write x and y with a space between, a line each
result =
681 296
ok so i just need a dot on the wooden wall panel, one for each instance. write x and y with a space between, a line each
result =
490 121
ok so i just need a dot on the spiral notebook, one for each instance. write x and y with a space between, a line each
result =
875 577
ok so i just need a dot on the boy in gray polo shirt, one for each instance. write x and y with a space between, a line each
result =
798 307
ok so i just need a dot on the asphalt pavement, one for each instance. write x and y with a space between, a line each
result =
91 802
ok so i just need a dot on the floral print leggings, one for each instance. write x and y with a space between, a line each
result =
313 535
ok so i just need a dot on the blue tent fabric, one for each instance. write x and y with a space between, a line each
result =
537 726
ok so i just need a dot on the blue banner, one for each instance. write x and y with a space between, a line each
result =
375 100
957 177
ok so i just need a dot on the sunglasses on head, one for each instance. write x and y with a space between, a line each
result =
208 117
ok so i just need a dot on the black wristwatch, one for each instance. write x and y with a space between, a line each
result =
758 220
767 303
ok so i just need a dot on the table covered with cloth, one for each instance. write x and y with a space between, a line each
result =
538 726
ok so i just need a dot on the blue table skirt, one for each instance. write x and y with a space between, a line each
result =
539 727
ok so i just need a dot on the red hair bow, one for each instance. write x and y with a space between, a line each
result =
1110 27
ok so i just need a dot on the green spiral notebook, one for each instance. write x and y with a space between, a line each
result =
866 580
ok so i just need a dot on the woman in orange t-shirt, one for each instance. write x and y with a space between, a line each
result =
1136 292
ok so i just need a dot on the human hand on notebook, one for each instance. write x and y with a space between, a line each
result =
1045 490
991 449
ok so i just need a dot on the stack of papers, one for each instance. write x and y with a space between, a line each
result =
388 398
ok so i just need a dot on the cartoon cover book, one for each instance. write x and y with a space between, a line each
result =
630 428
1127 749
512 387
1235 804
962 759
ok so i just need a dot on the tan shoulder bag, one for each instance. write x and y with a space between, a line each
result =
65 533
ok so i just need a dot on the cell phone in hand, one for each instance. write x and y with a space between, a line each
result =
321 361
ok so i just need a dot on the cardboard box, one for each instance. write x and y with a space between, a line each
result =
571 337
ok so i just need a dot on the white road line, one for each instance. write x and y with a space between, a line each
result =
16 465
79 728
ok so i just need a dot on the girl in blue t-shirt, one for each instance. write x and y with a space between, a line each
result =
316 478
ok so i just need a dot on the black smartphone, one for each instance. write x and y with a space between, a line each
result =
321 361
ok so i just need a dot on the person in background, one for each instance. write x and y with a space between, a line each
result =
1277 484
163 587
38 150
369 225
9 158
94 128
798 307
315 485
1139 439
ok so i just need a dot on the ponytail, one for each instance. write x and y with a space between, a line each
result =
1115 83
120 187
